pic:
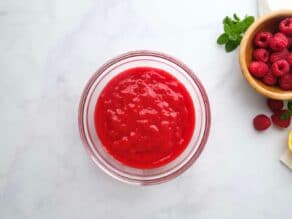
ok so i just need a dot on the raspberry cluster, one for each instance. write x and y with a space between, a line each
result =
262 122
272 56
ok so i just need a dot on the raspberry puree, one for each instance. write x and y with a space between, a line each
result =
144 117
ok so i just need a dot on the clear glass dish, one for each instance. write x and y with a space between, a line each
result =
91 140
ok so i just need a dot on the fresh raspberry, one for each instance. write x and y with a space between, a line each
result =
275 105
262 39
261 122
261 55
289 59
269 79
278 42
280 122
275 56
258 69
285 26
280 67
285 82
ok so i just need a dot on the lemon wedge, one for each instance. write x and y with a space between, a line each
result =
290 140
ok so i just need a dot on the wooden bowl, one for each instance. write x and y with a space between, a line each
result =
268 22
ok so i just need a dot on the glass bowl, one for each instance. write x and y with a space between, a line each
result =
92 142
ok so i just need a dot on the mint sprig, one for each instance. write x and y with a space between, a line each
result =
234 28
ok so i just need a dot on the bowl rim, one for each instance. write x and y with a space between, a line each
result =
284 95
115 60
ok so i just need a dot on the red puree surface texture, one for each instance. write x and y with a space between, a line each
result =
144 117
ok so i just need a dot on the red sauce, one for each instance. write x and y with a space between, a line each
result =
144 117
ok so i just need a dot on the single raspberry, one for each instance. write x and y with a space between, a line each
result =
285 82
289 59
275 56
275 105
261 122
262 39
269 79
258 69
279 121
261 55
280 67
285 26
278 42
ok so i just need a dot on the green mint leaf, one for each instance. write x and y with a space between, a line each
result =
231 45
285 116
227 20
239 27
222 39
248 20
242 26
236 17
227 28
233 36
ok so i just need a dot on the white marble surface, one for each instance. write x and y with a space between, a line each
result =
49 49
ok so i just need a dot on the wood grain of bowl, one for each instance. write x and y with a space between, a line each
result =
268 22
